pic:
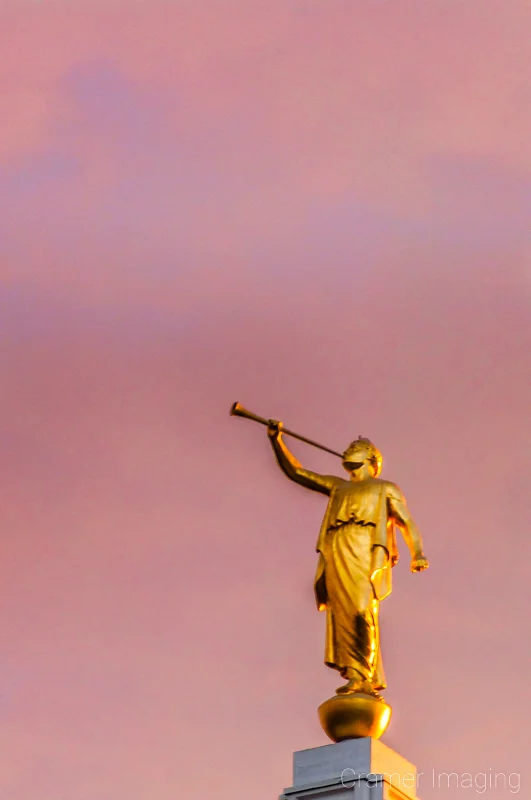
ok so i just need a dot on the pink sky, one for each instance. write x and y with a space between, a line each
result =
320 209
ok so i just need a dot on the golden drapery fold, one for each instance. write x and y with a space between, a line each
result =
352 626
356 522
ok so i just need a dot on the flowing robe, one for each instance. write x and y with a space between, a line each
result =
355 522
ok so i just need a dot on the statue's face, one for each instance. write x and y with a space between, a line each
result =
356 458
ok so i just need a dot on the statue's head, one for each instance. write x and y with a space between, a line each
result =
363 451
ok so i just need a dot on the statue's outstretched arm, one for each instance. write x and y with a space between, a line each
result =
293 469
399 512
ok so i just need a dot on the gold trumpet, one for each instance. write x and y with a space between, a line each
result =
238 410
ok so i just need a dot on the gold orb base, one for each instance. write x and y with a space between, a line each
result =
354 716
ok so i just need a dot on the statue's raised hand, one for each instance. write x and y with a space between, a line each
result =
274 428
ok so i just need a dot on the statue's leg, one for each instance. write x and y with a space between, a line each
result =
361 671
352 641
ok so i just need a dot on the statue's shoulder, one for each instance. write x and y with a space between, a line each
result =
380 482
392 489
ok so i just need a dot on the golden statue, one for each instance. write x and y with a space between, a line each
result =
357 550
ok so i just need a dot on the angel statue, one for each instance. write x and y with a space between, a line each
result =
357 549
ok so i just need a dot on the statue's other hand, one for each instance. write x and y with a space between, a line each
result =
418 564
274 427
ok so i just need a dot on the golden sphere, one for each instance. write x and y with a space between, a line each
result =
354 716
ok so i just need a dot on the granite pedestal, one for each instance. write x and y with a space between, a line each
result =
355 769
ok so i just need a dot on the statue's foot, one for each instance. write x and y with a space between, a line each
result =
359 686
351 687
